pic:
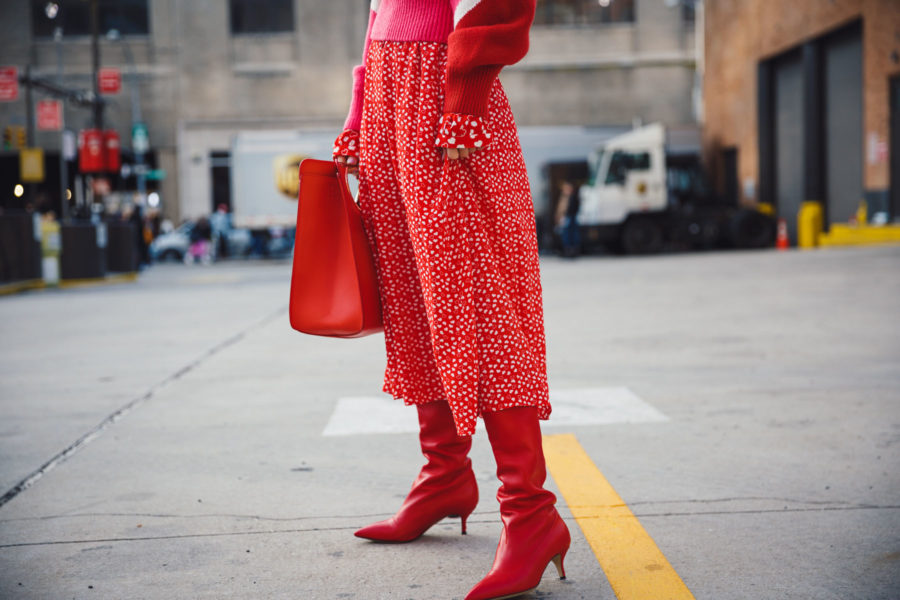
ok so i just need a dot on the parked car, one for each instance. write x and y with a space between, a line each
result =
272 242
174 246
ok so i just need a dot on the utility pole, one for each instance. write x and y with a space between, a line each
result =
98 105
29 132
138 128
95 60
63 167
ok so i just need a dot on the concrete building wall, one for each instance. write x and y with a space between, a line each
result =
741 33
607 74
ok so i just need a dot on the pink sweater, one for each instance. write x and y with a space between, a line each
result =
482 37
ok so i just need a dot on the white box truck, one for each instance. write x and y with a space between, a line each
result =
647 190
264 182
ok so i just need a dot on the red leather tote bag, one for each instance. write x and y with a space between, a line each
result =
334 291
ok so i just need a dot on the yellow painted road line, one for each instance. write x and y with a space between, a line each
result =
39 284
117 278
634 565
21 286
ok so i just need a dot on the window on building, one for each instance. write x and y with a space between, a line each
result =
130 17
261 16
688 11
584 12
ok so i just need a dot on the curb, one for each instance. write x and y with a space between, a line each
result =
39 284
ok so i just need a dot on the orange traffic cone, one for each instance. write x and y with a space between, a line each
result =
781 239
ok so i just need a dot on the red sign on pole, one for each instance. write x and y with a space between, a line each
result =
9 84
49 115
90 151
110 80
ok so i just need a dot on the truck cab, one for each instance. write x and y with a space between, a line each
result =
627 176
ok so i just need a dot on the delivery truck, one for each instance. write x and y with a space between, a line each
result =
647 191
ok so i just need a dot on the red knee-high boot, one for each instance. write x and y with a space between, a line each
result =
533 532
445 487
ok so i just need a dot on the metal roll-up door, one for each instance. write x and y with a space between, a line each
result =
842 87
788 104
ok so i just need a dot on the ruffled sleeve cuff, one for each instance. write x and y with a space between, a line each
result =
457 130
346 144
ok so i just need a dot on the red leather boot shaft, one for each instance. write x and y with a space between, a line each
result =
533 532
445 486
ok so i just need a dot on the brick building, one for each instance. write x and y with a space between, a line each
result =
802 103
207 70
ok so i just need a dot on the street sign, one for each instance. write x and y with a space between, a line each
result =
156 174
90 151
140 141
9 84
31 165
49 115
110 80
112 153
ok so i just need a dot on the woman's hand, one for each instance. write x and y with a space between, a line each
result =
346 151
457 153
351 163
460 135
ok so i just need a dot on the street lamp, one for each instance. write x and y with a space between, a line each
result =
138 129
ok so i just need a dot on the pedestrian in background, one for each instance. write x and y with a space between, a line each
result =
136 218
201 246
221 225
567 219
448 211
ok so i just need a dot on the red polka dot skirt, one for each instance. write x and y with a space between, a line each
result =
454 243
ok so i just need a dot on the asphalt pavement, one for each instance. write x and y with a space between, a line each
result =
174 438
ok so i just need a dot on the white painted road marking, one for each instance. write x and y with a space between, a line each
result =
599 406
371 414
587 406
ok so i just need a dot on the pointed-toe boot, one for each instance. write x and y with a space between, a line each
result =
445 487
534 535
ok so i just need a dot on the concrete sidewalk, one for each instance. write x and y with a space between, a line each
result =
172 430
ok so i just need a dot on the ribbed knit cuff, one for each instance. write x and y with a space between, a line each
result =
468 93
354 117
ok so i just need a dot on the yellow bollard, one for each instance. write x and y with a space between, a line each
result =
862 213
809 224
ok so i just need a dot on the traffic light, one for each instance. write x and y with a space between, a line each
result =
14 137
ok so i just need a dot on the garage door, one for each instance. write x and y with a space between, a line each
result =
788 82
842 69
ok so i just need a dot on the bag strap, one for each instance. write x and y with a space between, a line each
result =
342 178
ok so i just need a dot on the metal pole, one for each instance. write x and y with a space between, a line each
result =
135 119
135 96
63 167
29 133
29 111
98 104
95 59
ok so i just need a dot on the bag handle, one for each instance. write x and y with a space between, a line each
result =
342 178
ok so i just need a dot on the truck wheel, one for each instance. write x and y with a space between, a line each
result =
752 229
642 236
